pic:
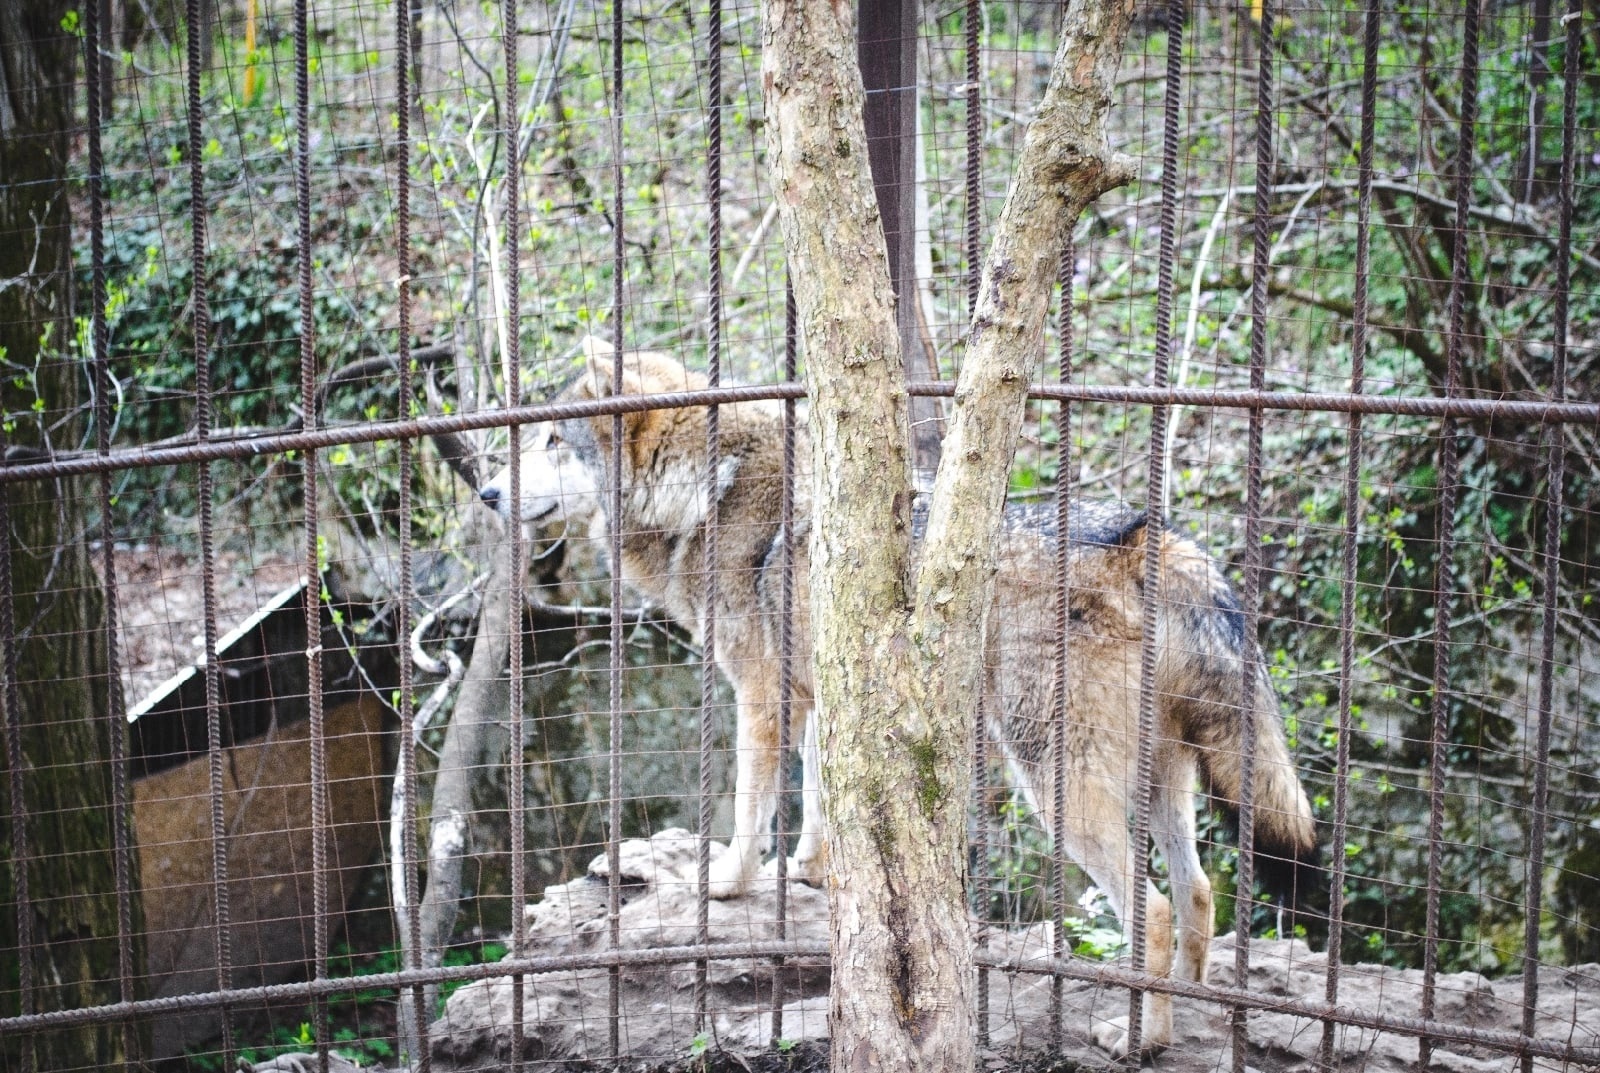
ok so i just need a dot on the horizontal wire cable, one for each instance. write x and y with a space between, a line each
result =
219 448
1511 1043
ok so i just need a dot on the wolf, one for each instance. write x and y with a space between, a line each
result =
1201 647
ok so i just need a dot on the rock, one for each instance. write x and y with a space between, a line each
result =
565 1014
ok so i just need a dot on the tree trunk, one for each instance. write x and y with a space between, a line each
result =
474 748
59 702
898 643
902 965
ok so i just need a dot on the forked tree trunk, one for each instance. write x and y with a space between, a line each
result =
61 687
898 639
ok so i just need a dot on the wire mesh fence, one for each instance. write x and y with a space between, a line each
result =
407 492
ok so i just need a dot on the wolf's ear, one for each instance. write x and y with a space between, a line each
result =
1125 558
600 366
599 382
597 349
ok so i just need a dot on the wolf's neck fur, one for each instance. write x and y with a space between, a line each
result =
666 505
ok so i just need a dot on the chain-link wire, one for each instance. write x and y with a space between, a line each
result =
206 446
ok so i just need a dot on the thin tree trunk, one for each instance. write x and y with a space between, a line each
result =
898 645
474 747
61 688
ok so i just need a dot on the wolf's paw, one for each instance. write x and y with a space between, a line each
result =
810 861
728 876
1112 1036
810 872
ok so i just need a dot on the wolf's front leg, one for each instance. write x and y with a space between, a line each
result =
811 851
755 780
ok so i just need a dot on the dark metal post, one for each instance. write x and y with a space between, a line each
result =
887 51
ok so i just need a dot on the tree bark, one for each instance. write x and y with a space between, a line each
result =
58 703
898 641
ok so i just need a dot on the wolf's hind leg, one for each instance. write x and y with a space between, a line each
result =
1097 838
1173 827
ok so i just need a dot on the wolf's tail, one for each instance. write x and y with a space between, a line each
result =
1285 837
1203 645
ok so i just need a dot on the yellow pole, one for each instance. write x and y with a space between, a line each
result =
249 51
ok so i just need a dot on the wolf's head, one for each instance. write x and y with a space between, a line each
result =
556 483
564 464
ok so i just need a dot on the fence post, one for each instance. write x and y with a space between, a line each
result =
886 44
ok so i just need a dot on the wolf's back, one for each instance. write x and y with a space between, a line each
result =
1201 647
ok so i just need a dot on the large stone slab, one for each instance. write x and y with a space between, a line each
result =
565 1014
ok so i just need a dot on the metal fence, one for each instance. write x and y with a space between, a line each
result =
1389 479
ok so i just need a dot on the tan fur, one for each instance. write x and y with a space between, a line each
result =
1199 644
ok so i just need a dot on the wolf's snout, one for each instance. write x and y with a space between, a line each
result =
490 496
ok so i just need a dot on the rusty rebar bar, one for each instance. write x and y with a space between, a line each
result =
1350 538
415 1023
614 739
256 445
786 521
712 479
197 27
16 785
511 144
1444 573
1555 474
1155 496
1061 684
1250 665
1099 974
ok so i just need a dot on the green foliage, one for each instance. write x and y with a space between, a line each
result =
1498 521
1097 934
352 1014
477 954
1016 877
